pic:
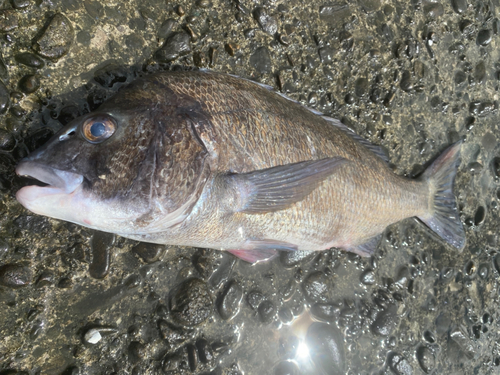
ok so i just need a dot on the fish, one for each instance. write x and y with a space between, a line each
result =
211 160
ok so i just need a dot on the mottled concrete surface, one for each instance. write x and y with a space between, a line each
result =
411 76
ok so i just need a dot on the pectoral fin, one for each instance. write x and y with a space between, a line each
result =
277 188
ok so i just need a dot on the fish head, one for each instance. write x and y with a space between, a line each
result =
133 166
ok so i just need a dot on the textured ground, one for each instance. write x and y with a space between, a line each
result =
411 76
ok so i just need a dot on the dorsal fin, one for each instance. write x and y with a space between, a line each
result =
377 150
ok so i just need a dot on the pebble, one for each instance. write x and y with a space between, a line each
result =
166 28
286 315
20 4
286 368
317 287
174 336
335 13
459 6
229 302
8 20
4 73
326 54
326 348
30 59
265 21
463 341
55 39
368 277
255 298
361 87
15 275
29 84
495 166
399 364
7 141
177 44
148 252
481 109
95 334
260 60
386 321
205 352
101 244
479 216
292 258
267 311
4 98
136 351
191 303
484 37
433 10
460 77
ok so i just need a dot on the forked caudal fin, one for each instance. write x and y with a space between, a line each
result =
443 217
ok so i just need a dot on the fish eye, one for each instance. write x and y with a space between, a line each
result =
98 129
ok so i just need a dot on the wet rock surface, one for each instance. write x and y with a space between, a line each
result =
411 76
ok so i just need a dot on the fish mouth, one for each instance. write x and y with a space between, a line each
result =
45 180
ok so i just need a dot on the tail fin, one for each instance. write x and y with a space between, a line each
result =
443 217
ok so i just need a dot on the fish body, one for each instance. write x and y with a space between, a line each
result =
211 160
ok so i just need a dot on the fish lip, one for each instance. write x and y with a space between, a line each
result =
64 181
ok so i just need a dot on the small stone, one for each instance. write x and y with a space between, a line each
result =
326 54
267 311
148 252
7 140
29 84
55 38
265 21
255 298
459 6
285 315
15 275
30 59
399 364
101 244
231 48
317 287
191 303
484 37
326 348
205 352
20 4
386 321
460 77
4 98
4 73
433 10
261 60
426 359
229 302
361 87
95 334
136 351
8 20
166 28
368 277
175 46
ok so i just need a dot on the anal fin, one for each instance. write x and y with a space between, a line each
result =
368 248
